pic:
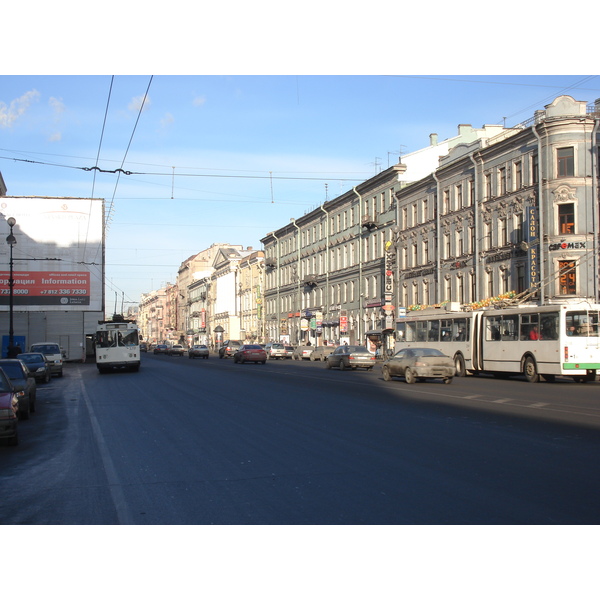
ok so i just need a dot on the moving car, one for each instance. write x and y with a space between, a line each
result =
351 357
9 411
229 348
53 354
23 383
289 351
321 353
275 350
37 365
301 352
419 363
160 349
250 353
198 351
143 347
176 350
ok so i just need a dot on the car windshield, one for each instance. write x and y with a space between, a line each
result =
47 349
357 349
4 383
252 347
13 370
277 346
31 358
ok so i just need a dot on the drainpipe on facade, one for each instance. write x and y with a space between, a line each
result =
293 221
278 311
438 228
360 253
540 213
326 307
478 195
595 204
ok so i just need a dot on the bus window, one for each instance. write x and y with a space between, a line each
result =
492 329
400 332
421 331
461 332
446 330
549 326
433 331
509 326
530 327
582 323
130 339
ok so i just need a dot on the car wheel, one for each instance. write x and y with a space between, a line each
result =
47 378
409 376
342 365
327 365
24 413
386 374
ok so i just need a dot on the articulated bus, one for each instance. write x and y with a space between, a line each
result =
117 345
539 342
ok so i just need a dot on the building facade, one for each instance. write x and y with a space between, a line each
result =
504 210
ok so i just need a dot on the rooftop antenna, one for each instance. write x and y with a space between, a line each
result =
398 152
326 197
377 158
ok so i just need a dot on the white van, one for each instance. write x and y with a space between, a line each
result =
53 355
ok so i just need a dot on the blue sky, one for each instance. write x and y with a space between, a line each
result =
230 158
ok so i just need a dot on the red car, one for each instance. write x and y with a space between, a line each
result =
9 408
250 353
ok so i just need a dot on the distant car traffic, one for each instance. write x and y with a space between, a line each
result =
53 354
160 349
9 411
176 350
275 350
289 351
198 351
143 347
351 357
321 353
23 383
250 353
37 365
419 363
301 352
229 348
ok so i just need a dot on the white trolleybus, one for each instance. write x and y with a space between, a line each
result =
539 342
117 345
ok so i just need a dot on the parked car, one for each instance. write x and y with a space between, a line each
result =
351 357
229 348
53 354
176 350
37 365
301 352
419 363
198 351
160 349
23 383
321 353
9 411
289 351
275 350
250 353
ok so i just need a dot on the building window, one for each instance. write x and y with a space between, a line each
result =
404 218
471 192
502 181
566 161
447 245
568 277
415 216
488 185
425 210
520 278
518 175
490 284
425 252
471 240
446 207
566 218
487 236
415 256
535 170
459 197
503 233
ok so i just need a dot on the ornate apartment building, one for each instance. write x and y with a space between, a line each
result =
501 210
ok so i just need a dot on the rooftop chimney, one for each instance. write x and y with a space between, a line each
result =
433 139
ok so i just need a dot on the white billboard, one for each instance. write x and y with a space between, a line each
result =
58 257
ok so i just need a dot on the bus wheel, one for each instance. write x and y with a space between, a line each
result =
409 376
459 364
530 370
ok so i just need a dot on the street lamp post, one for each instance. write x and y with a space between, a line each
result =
11 241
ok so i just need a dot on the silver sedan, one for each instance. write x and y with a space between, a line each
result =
350 357
419 363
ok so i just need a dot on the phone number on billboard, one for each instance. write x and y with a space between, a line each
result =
74 292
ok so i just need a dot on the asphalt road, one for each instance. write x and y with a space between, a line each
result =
212 442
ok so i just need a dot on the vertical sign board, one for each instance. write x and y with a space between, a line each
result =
58 260
533 243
